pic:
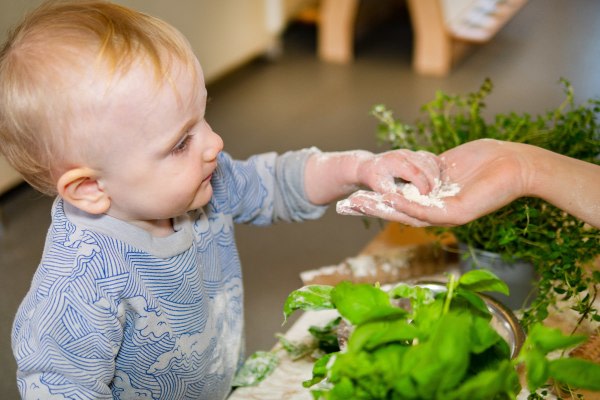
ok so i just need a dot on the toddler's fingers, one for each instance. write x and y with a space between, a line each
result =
393 166
421 168
427 170
431 164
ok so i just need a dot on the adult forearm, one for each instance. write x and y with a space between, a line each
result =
570 184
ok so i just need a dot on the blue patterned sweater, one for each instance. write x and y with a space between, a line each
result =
116 313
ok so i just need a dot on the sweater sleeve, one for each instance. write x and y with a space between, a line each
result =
263 189
290 202
59 352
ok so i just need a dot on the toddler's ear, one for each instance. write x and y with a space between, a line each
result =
80 187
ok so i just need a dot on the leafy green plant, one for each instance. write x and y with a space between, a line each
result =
255 369
560 246
442 347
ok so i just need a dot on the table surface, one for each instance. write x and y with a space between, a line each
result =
286 381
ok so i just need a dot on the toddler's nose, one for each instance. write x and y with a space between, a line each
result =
213 148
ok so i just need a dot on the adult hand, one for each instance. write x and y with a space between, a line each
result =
490 174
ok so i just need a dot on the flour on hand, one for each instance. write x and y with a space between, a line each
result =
410 192
433 198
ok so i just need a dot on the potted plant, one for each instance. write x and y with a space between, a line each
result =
560 247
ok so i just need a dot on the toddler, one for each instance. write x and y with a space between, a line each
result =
139 290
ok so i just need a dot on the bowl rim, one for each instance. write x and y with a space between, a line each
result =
496 308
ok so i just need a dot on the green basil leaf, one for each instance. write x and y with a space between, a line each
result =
473 299
359 303
255 369
453 344
373 334
343 390
488 384
357 366
420 294
312 297
536 365
452 336
428 317
548 339
319 371
482 280
387 358
423 368
576 372
483 336
441 362
405 387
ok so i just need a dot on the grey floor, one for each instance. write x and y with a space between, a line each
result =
297 101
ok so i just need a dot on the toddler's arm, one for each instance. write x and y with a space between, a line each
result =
330 176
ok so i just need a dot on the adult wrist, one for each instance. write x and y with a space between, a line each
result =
540 169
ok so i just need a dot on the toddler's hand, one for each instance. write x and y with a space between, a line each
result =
382 171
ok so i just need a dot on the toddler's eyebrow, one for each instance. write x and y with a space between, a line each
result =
203 95
181 133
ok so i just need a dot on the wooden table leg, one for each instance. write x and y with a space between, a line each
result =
336 30
432 53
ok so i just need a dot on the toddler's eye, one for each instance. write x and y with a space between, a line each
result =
182 145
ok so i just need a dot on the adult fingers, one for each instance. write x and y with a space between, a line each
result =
372 204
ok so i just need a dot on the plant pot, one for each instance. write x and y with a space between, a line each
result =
520 276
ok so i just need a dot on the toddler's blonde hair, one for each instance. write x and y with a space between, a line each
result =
55 38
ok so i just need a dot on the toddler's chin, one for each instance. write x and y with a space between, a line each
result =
202 198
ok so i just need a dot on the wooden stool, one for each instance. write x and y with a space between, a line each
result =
441 36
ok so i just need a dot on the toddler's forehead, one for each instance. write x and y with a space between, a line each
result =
96 92
75 37
137 88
